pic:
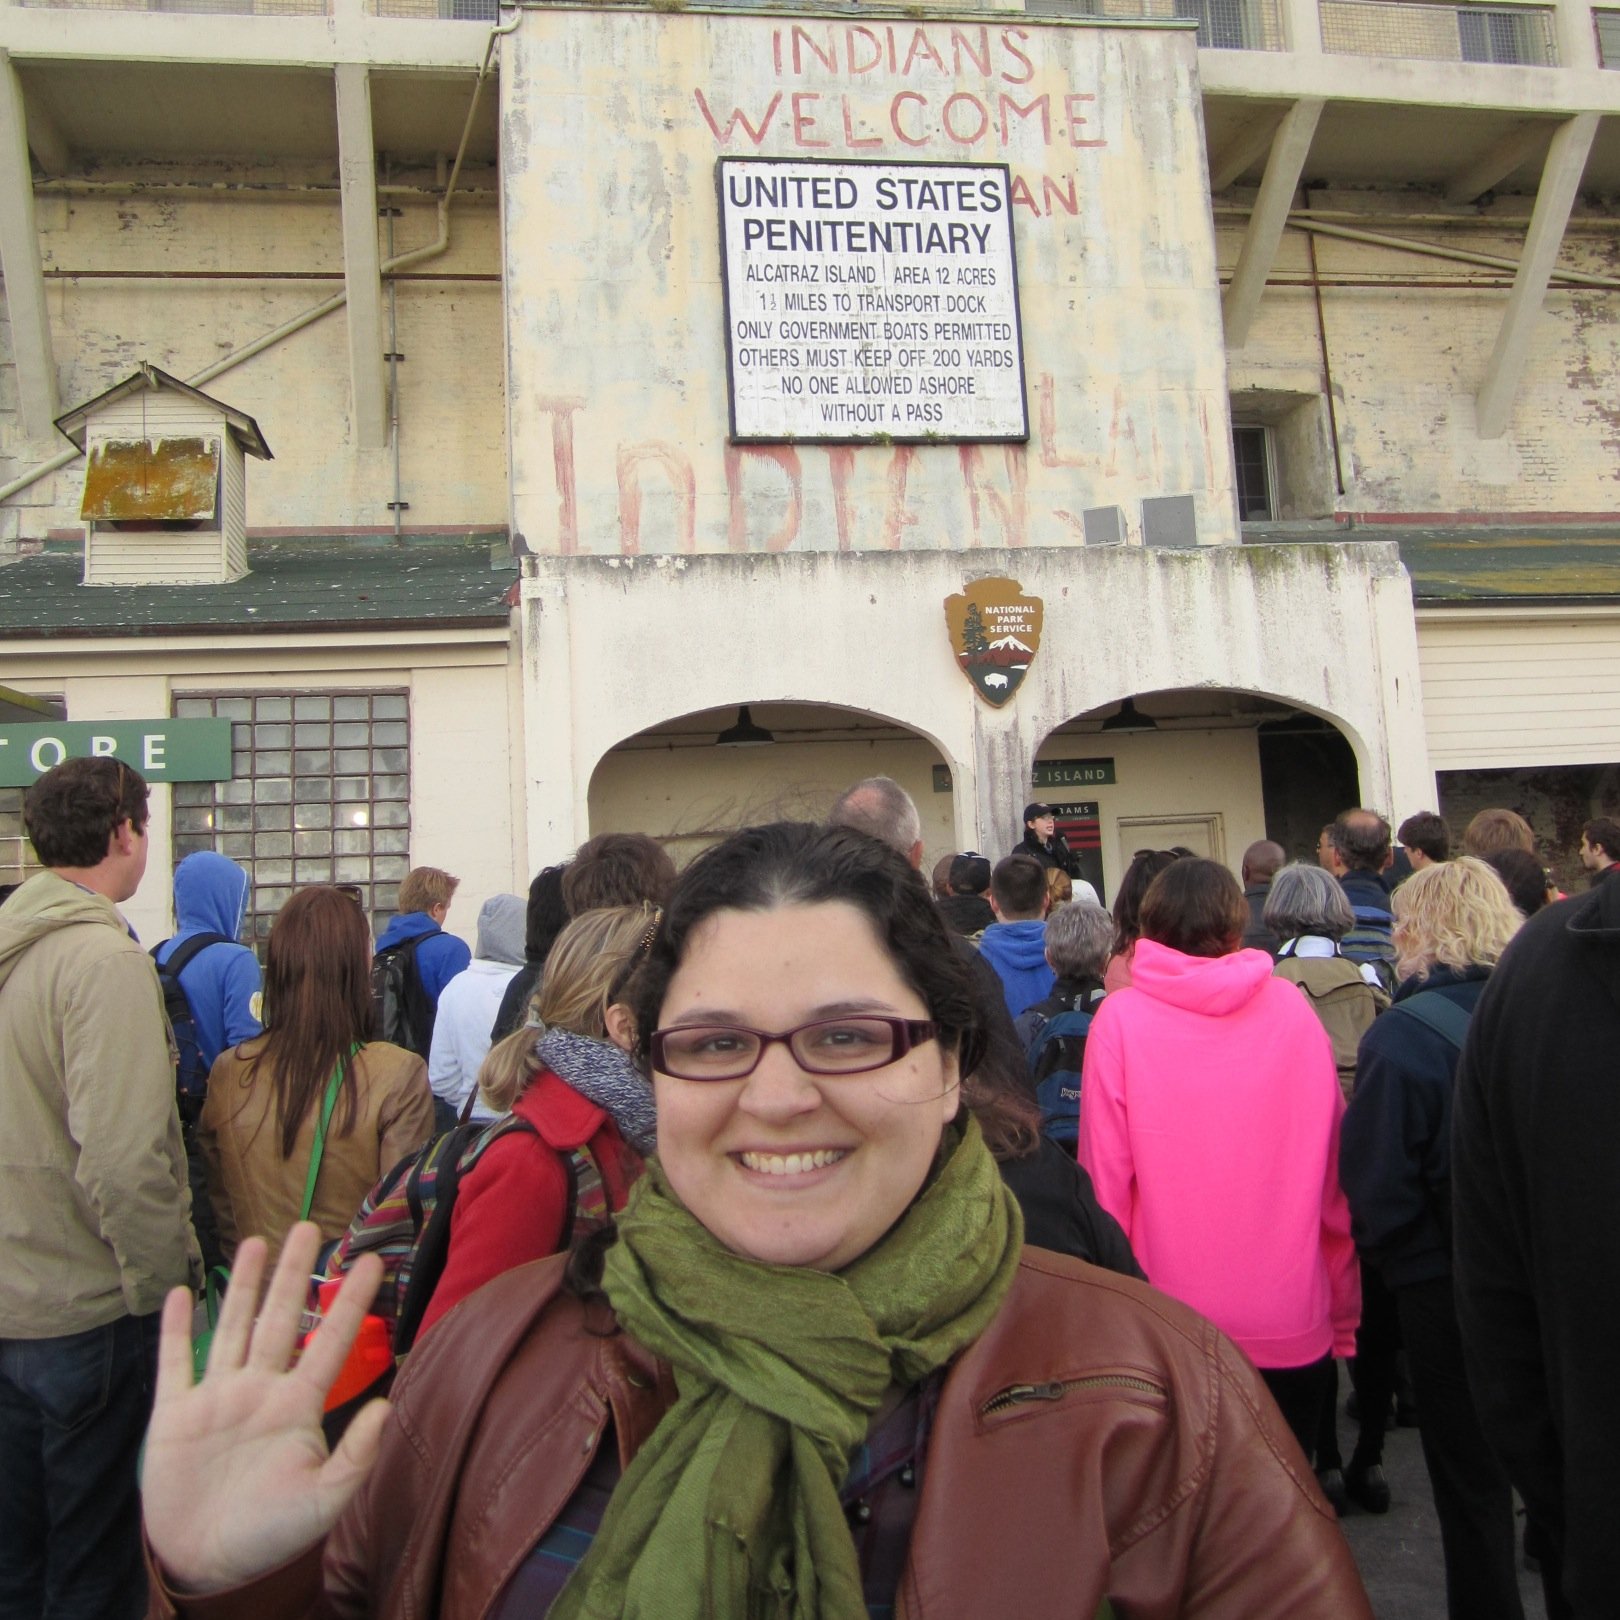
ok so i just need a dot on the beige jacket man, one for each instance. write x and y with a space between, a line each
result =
95 1212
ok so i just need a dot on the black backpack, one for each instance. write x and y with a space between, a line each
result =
403 1007
191 1073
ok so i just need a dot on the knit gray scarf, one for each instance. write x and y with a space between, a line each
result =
603 1074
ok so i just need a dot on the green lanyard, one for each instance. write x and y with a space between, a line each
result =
330 1102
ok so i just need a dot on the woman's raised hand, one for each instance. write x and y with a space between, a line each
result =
237 1477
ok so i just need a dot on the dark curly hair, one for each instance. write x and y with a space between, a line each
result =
788 863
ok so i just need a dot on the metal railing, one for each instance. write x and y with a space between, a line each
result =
1240 25
1521 35
484 11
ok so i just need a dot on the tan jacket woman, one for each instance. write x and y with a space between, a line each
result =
266 1096
255 1189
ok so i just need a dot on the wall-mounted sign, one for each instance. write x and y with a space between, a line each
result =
1081 826
871 300
995 631
1060 773
161 750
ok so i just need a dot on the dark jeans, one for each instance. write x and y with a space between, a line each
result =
73 1411
1299 1392
1472 1496
1372 1372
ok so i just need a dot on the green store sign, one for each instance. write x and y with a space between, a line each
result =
1051 773
161 750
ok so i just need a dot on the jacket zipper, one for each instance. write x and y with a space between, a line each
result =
1018 1394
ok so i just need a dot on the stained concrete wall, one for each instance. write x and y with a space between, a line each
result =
614 646
1405 359
451 413
612 123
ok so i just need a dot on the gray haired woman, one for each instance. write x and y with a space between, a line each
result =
1309 913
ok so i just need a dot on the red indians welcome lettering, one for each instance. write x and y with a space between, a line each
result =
999 116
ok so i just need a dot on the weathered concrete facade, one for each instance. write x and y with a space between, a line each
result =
613 646
616 337
189 190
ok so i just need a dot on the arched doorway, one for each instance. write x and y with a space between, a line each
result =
1205 769
691 780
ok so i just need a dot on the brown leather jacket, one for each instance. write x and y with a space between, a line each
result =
254 1189
1098 1439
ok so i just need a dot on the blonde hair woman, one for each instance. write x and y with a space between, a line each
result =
1452 923
569 1076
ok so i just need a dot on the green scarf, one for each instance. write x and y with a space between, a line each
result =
730 1510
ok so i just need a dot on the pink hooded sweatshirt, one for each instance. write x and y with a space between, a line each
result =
1209 1120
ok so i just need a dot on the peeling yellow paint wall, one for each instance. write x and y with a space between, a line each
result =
451 408
612 124
1406 359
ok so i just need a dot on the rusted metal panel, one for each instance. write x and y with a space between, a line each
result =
146 480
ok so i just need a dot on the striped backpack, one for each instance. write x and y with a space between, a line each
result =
405 1221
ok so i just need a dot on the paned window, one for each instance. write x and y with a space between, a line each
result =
319 793
1251 450
17 858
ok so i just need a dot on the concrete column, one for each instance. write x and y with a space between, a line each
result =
1560 180
556 783
1499 160
1576 34
1003 763
1289 151
1302 26
20 264
362 260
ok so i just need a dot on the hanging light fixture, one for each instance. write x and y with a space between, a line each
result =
1130 718
744 733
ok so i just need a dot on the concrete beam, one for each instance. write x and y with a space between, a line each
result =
45 140
31 349
1284 167
1247 145
1521 143
1560 180
362 259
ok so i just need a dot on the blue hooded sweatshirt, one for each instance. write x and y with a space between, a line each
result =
438 960
1017 951
221 982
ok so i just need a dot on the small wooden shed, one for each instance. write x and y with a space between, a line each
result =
165 483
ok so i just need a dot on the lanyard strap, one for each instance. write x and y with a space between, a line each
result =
327 1105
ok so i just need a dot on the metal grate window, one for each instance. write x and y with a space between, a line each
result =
1607 24
319 793
1251 450
255 8
1511 34
17 857
1248 25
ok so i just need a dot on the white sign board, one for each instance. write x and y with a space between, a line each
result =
871 301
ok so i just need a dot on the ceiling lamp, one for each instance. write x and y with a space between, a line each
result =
745 734
1130 718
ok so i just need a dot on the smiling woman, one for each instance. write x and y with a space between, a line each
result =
815 1375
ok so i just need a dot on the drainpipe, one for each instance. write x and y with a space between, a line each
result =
327 306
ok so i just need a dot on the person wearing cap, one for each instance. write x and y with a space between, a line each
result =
967 910
1045 842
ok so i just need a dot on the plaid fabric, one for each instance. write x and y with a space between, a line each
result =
880 1499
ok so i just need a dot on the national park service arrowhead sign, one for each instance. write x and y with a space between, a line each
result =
995 632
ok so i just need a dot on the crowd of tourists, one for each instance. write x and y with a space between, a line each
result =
790 1237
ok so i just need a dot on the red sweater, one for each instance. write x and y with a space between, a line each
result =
514 1204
